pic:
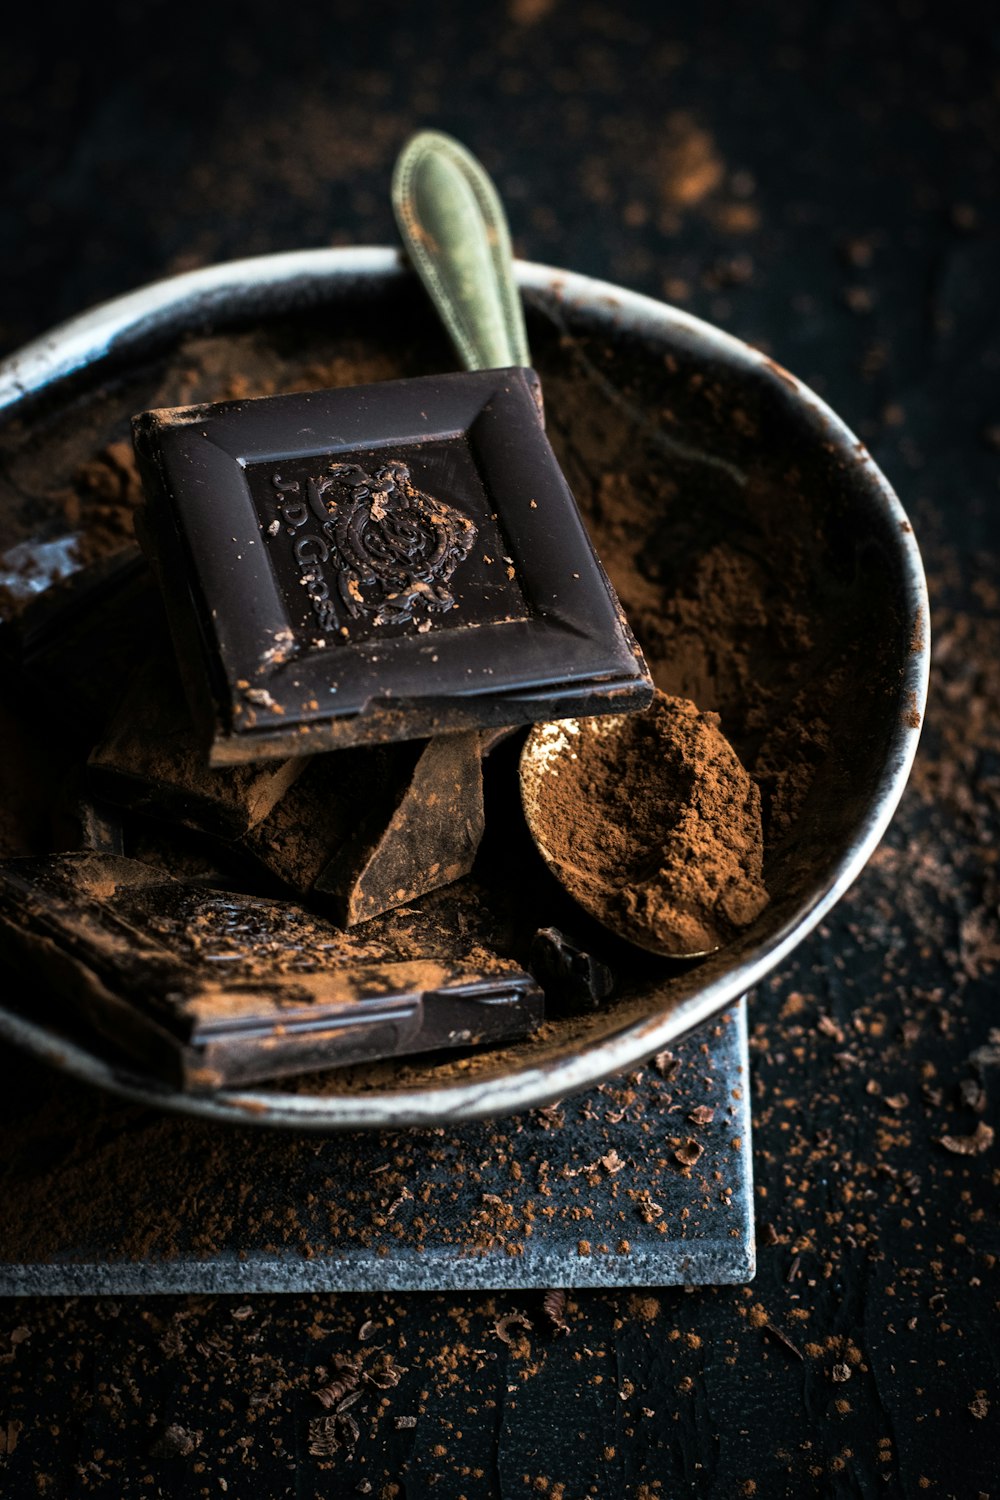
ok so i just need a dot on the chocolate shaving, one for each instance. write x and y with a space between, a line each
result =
175 1442
988 1055
327 1435
649 1209
702 1114
980 1140
972 1095
323 1439
385 1374
554 1303
332 1394
783 1339
350 1371
504 1324
350 1430
689 1153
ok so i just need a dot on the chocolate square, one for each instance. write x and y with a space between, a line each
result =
380 562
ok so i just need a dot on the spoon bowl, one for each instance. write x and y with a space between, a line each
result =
650 823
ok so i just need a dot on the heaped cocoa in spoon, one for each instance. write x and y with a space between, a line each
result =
650 821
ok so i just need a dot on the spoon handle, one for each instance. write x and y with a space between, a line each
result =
455 230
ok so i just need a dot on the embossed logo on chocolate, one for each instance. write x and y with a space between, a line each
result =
373 544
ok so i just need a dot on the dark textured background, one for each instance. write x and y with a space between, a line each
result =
820 180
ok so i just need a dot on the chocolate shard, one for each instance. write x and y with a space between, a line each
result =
370 829
150 760
573 981
209 988
375 563
430 839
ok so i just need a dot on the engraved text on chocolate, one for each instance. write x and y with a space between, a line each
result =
371 544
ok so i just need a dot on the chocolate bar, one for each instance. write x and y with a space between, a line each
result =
371 828
382 562
208 987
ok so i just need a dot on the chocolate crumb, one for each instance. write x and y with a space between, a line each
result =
702 1114
689 1153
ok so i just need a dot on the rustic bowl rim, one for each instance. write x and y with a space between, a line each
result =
294 278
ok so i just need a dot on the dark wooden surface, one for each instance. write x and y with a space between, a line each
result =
820 180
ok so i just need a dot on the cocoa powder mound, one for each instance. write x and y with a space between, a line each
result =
654 825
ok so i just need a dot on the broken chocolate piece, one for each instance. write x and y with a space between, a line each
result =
150 760
573 981
370 828
431 837
375 827
375 563
209 987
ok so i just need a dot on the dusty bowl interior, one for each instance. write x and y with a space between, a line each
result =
766 568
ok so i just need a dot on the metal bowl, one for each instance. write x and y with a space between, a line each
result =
882 591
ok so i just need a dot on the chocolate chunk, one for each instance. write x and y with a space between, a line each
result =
375 563
573 981
430 839
150 760
372 828
209 987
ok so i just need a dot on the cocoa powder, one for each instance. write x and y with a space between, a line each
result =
653 825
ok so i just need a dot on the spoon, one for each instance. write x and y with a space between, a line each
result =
650 822
454 228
